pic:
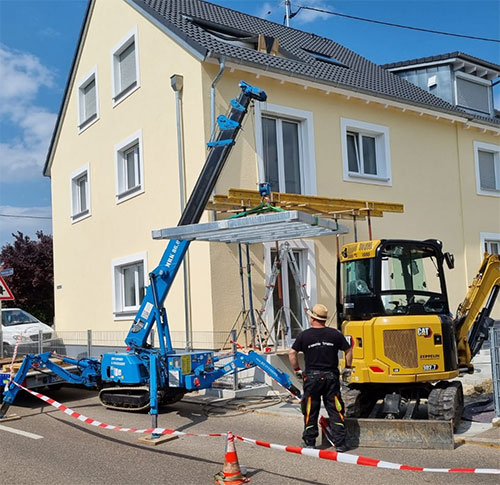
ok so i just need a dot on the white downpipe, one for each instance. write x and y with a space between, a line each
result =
177 84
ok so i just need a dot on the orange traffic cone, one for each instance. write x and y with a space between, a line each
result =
231 471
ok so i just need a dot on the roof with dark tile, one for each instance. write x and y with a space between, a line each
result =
182 18
443 57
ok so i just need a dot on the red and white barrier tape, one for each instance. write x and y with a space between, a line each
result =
323 454
14 355
98 424
361 460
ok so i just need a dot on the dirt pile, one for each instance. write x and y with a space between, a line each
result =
477 390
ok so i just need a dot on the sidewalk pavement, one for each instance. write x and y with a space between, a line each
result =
468 432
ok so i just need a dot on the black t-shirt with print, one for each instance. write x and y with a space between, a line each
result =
321 346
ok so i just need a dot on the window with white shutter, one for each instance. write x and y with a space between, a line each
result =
487 160
473 93
80 194
129 167
125 67
88 104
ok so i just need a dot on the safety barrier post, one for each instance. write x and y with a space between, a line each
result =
495 365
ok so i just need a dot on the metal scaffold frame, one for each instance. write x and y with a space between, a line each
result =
280 217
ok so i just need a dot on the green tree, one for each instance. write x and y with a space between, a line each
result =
33 280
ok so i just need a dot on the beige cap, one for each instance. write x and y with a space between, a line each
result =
319 312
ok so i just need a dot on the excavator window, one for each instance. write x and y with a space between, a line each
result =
411 280
357 277
403 278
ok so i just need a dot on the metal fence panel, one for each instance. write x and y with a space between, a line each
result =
494 339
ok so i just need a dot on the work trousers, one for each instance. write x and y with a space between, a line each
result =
326 385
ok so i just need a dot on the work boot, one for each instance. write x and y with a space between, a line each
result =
341 448
309 444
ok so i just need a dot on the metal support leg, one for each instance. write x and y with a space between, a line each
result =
153 391
250 296
235 374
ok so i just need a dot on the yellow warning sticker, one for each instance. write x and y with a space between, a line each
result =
186 364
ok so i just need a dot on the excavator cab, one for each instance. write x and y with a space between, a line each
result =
392 277
407 347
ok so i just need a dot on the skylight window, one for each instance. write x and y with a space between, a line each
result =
249 42
226 34
324 58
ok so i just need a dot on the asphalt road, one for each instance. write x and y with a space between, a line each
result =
55 448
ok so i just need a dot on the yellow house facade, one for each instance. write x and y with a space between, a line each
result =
114 165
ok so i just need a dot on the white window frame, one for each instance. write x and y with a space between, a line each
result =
77 214
382 151
308 269
477 80
307 154
120 150
120 312
495 149
487 237
120 94
83 124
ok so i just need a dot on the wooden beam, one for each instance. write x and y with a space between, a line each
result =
314 199
240 199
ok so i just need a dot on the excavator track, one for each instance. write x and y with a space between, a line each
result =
125 398
135 398
446 402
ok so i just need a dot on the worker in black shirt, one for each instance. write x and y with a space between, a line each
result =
320 346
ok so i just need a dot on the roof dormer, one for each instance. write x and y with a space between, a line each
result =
461 80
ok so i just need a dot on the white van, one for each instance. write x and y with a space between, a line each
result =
19 325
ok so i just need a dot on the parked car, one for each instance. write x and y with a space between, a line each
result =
19 325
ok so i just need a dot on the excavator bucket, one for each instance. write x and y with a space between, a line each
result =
396 433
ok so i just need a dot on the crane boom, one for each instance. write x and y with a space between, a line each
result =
162 277
144 377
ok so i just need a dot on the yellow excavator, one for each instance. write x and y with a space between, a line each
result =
408 349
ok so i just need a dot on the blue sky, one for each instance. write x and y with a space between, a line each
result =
38 40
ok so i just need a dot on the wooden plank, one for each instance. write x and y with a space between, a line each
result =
253 195
337 208
331 210
324 210
233 208
17 364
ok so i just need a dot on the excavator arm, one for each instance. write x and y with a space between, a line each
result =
473 320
